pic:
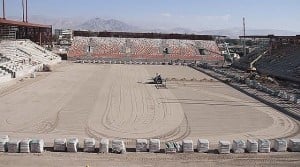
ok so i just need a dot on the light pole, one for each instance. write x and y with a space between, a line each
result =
244 42
3 3
26 11
23 11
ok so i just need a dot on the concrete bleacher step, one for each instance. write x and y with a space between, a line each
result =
22 57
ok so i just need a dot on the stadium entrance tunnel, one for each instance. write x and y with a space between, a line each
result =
63 56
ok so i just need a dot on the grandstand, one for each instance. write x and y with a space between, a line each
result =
19 53
106 47
143 49
281 61
22 57
10 29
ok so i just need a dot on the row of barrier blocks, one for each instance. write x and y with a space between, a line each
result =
257 85
277 93
21 146
152 145
145 62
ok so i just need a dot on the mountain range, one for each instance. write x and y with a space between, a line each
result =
100 24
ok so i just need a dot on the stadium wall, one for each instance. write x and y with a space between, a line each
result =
144 35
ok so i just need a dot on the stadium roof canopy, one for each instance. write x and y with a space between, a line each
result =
22 24
10 29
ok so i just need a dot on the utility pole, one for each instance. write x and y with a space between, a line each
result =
3 3
26 11
244 42
23 9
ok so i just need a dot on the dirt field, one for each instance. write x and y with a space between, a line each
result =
114 101
149 160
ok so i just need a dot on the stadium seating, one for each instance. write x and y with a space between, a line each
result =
283 62
142 49
107 47
79 47
22 57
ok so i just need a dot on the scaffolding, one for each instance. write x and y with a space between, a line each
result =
40 34
8 32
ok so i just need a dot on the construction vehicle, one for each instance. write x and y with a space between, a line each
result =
251 68
228 56
159 81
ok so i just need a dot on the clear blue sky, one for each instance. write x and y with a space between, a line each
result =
194 14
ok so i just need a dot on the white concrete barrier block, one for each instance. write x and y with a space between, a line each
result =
89 145
104 146
291 98
202 145
141 145
187 146
264 146
284 96
72 145
25 146
171 148
238 146
247 81
37 146
224 147
178 146
13 146
251 84
154 145
252 146
3 143
280 145
60 145
281 93
294 145
255 83
118 147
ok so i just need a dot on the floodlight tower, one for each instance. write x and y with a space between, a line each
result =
26 4
244 31
25 10
3 8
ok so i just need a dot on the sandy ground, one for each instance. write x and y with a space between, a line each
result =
216 111
114 101
149 160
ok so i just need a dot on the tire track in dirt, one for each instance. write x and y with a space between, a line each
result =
143 113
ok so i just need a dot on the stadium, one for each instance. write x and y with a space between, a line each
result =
106 89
